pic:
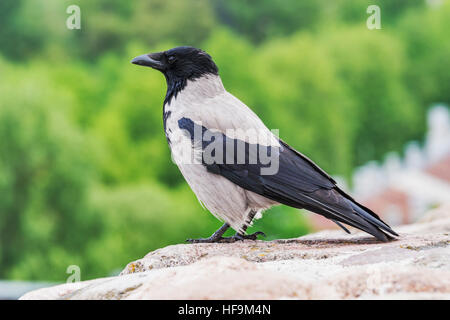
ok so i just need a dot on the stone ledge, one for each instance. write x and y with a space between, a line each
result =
324 265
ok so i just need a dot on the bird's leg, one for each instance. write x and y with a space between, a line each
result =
215 237
238 236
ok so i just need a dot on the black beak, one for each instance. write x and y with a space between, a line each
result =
148 60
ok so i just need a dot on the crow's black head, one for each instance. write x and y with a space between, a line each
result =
180 63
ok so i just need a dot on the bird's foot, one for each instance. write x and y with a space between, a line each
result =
234 238
205 240
242 237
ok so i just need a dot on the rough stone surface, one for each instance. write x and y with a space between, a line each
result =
324 265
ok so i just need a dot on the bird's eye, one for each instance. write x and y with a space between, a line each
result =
171 59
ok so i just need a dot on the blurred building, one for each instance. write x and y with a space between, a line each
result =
400 190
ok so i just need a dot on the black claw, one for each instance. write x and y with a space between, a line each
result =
204 240
260 233
236 237
242 237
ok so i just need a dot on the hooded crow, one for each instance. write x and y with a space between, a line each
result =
234 164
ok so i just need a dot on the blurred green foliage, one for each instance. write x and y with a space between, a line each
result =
85 171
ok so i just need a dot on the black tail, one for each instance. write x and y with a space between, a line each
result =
340 207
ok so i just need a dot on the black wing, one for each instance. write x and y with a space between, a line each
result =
297 182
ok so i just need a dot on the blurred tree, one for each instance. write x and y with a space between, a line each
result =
260 19
425 34
306 100
44 180
372 66
143 218
28 27
131 128
8 30
263 19
110 25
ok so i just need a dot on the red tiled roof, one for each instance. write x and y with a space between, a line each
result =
441 169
